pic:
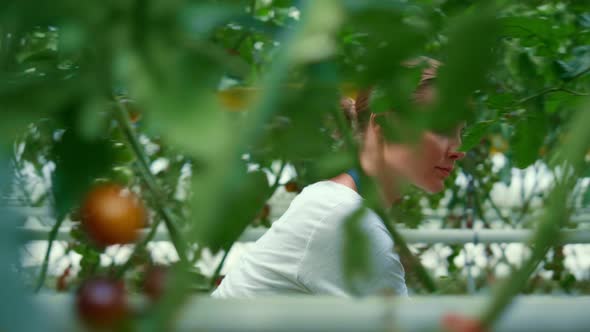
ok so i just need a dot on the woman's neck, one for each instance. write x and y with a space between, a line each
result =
386 182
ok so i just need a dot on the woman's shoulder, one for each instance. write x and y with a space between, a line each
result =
329 192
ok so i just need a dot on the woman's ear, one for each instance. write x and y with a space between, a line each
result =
371 152
375 127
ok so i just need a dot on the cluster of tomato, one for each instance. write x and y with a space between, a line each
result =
112 214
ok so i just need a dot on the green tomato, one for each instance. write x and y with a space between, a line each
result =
123 154
122 175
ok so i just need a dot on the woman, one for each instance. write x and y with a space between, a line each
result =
302 251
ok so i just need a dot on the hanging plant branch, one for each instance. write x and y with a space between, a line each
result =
556 214
52 236
548 91
158 197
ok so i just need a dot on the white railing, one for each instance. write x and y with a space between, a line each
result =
306 313
427 236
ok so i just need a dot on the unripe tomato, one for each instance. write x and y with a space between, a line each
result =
237 98
154 283
122 153
122 175
112 214
101 302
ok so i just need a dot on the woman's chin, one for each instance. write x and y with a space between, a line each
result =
433 187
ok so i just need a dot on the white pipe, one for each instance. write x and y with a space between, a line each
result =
427 236
307 313
582 215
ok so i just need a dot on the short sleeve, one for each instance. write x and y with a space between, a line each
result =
388 271
321 267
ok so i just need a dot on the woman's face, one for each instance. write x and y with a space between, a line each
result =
427 163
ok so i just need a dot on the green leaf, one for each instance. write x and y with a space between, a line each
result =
529 135
330 165
578 65
501 100
474 134
243 200
24 100
357 260
584 20
200 19
78 162
523 27
468 57
557 101
317 42
527 70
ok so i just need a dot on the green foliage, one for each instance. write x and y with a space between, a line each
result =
242 204
529 135
75 173
72 76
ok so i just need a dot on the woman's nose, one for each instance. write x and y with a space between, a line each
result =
456 155
454 144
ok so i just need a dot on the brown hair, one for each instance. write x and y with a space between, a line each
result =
357 110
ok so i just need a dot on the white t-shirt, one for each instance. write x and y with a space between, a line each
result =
303 251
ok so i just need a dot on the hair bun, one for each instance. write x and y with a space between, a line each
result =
348 105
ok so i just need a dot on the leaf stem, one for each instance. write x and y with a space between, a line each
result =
551 90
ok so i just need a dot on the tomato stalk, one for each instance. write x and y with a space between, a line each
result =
52 235
148 178
138 248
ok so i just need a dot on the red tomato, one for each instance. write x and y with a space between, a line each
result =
292 187
102 302
459 323
154 283
112 214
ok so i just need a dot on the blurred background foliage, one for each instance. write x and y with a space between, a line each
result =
200 107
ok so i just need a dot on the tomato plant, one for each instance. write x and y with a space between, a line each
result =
113 111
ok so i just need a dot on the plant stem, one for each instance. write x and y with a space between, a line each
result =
138 247
218 268
545 235
551 90
147 176
496 209
44 266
